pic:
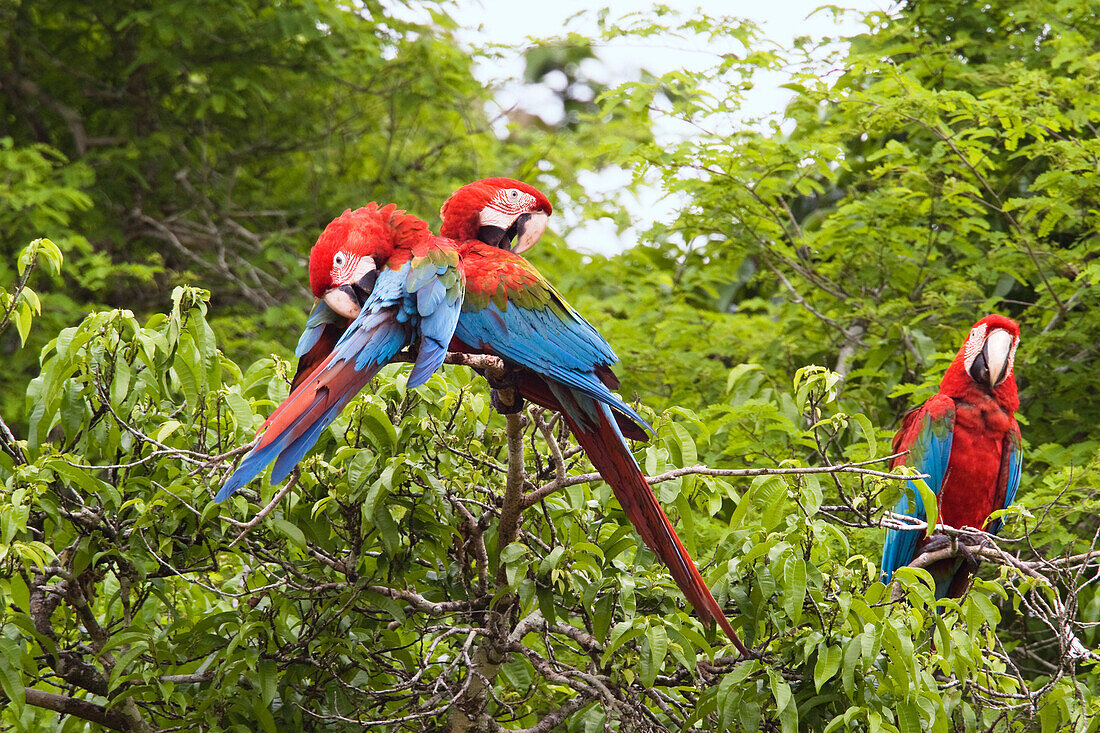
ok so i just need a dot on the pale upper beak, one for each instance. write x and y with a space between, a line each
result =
990 366
529 227
517 234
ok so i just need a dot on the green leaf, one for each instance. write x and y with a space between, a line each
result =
11 677
263 716
388 529
908 717
268 678
379 427
794 586
290 531
868 432
828 662
657 640
931 503
623 632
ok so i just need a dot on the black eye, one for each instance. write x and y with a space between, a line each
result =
338 260
513 194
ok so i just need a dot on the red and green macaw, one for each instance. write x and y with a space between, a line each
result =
966 439
383 282
556 358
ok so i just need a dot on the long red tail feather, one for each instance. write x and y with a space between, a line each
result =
611 457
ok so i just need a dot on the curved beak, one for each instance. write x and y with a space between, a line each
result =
990 366
347 300
525 230
529 227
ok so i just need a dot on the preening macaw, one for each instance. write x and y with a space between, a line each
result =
556 358
383 282
966 439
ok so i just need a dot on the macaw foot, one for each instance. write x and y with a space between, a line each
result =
965 543
935 543
504 395
506 401
959 544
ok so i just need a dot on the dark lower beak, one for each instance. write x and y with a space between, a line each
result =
519 228
979 369
495 236
980 373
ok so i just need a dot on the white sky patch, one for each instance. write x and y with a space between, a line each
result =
507 22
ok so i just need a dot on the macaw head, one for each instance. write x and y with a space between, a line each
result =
496 211
987 357
344 263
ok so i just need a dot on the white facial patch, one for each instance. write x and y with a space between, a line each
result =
1000 350
974 344
505 205
347 269
491 217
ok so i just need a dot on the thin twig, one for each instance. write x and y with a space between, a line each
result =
248 527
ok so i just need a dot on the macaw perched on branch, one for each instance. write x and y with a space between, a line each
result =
384 282
966 439
556 359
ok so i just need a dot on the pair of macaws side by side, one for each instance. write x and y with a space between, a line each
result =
384 283
965 438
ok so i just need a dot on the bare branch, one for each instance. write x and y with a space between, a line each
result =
64 705
267 509
420 603
852 467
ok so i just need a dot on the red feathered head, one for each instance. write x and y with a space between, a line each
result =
344 263
987 359
496 211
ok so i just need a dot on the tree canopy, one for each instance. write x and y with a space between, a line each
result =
164 169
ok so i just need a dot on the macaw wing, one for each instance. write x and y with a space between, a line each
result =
390 320
323 329
927 434
513 312
1012 459
437 283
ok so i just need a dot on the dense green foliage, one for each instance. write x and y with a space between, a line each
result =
951 170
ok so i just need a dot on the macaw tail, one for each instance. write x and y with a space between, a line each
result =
596 430
297 423
536 389
325 342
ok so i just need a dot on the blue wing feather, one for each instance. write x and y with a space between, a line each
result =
567 351
929 454
321 316
1015 464
439 306
382 329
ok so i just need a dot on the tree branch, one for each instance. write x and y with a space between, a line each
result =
513 493
431 608
93 713
267 509
852 467
469 710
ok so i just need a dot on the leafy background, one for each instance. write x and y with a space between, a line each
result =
164 169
